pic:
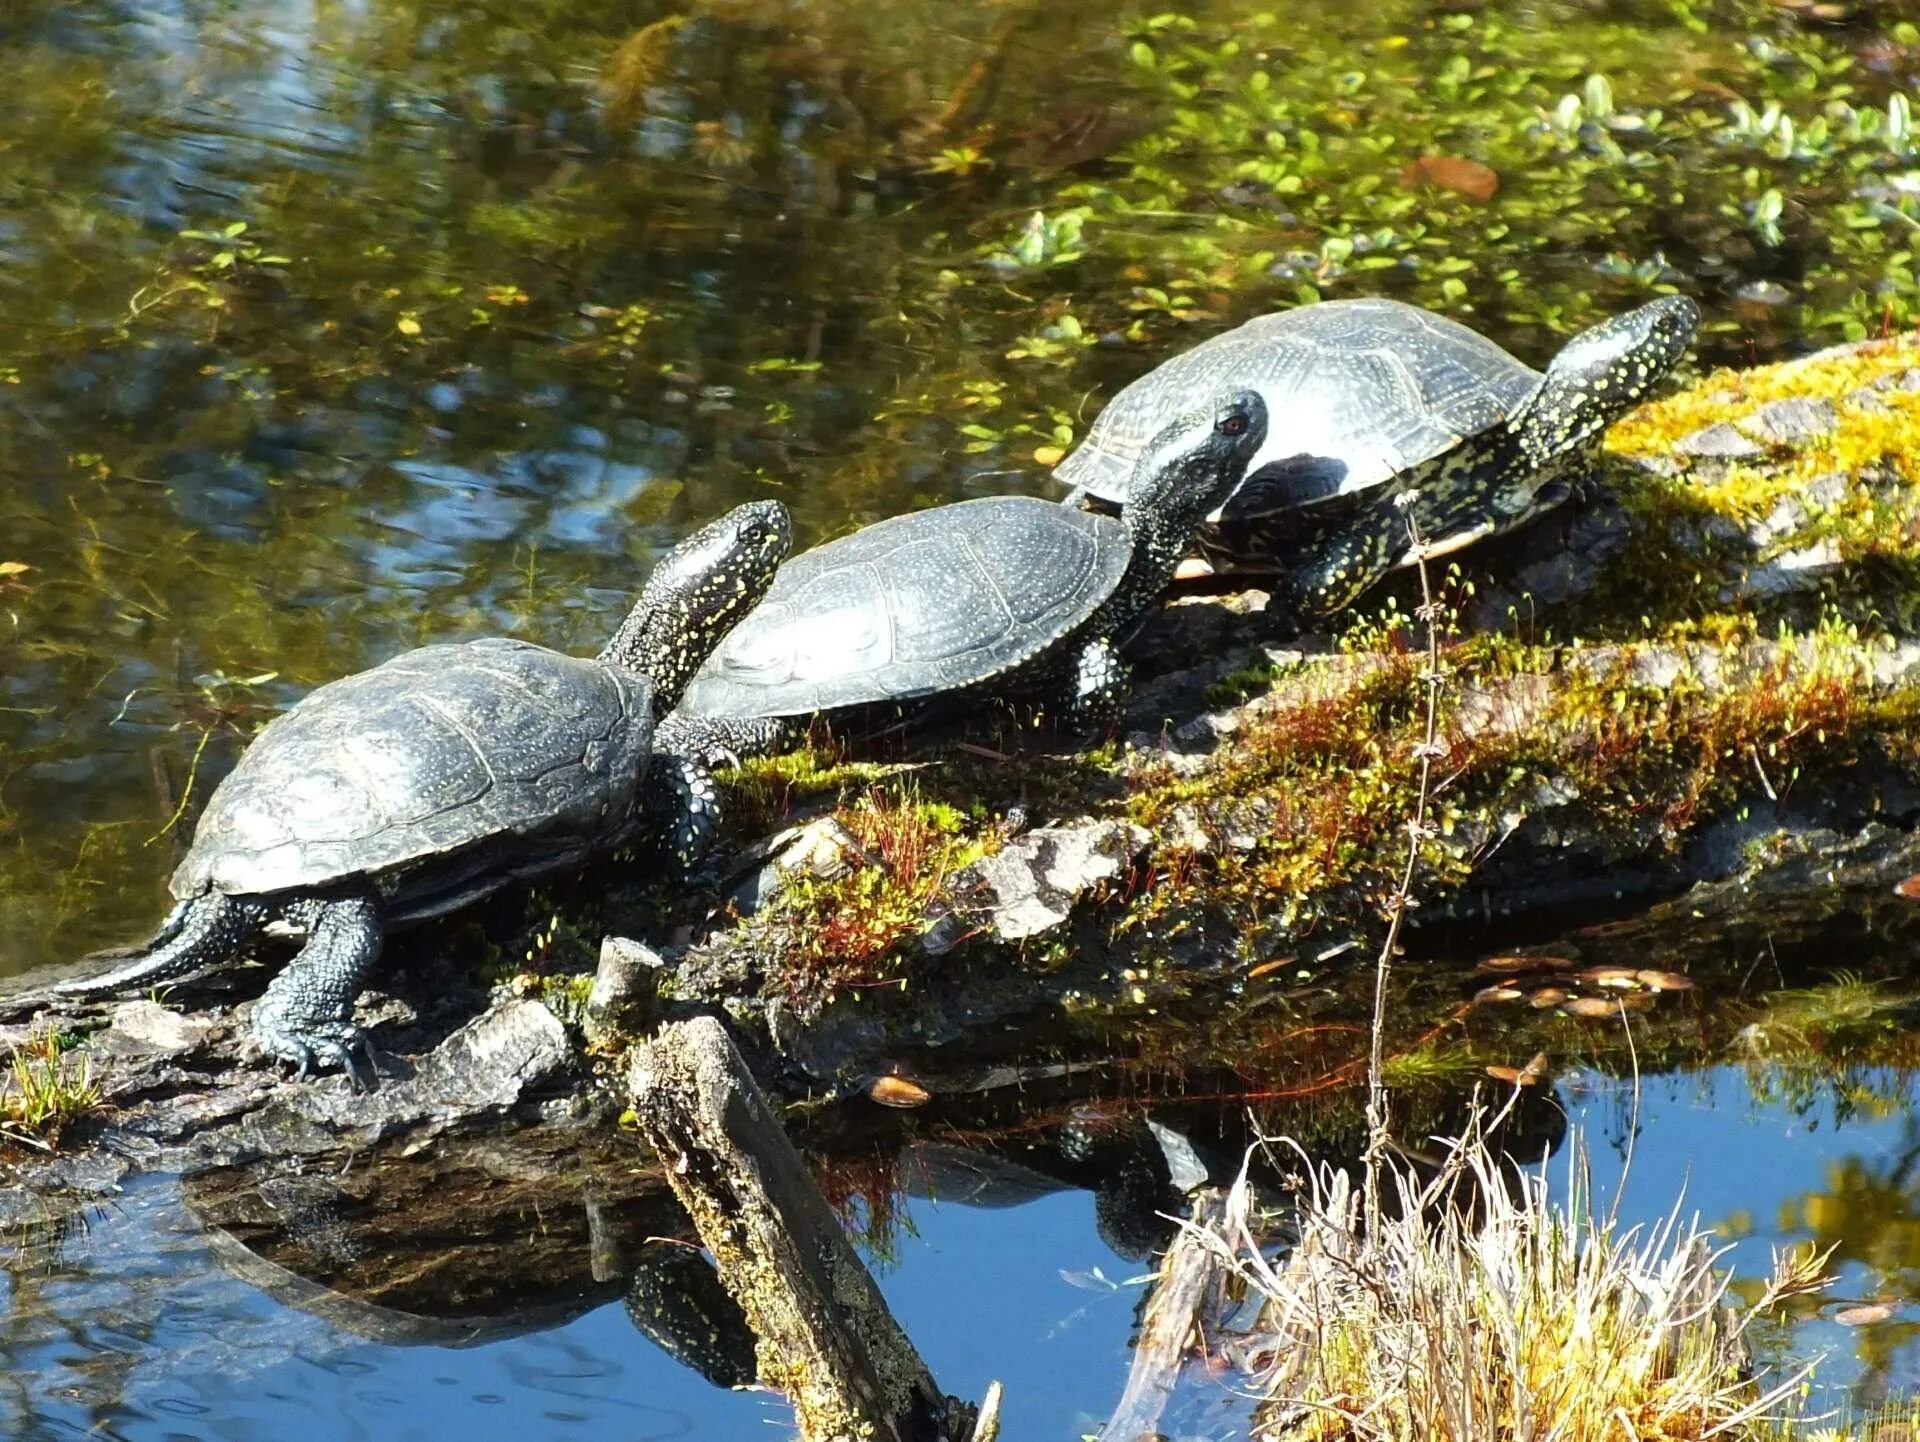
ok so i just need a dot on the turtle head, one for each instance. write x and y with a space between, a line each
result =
700 590
1190 468
1602 372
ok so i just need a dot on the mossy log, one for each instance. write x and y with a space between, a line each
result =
1710 660
827 1339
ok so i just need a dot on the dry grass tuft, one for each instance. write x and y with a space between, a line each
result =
1483 1311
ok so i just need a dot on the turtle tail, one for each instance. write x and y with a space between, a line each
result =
204 929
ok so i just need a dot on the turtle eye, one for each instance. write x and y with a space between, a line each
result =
1234 426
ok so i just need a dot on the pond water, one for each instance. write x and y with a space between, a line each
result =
330 328
1778 1097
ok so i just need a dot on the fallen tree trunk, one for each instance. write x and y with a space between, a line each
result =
826 1338
1189 1276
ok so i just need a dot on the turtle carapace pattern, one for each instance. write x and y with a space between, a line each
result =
1005 595
413 788
1370 398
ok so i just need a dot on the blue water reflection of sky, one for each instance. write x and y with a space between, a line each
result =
140 1334
1763 1172
1014 1294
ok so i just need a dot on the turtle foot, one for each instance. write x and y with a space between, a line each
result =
310 1044
306 1016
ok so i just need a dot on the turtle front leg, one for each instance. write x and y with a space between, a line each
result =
306 1014
680 807
723 740
1338 571
1097 700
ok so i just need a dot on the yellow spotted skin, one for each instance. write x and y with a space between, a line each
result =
703 588
1328 554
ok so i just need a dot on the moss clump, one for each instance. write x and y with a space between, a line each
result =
1290 835
1845 499
764 790
1236 686
1287 839
848 934
1298 802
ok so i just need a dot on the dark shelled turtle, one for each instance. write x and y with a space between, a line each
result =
1370 398
1002 595
416 787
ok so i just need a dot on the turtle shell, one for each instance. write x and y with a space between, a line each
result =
927 602
428 755
1358 391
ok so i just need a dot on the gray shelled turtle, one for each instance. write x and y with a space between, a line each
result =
1370 398
416 787
1006 595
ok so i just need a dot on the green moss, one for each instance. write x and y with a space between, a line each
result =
1236 686
852 933
1296 827
1288 838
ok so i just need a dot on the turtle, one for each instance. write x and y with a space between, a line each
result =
1372 398
411 789
1000 595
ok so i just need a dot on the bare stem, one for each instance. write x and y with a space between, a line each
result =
1401 901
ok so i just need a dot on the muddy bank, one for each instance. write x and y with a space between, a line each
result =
1702 672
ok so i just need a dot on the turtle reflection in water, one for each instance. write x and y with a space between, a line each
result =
1371 398
414 788
1006 595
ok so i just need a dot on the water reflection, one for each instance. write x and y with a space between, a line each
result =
490 1286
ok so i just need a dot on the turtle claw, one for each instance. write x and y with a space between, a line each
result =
311 1046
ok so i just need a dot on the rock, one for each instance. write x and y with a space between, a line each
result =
819 850
1797 418
58 1181
1186 833
1185 1170
1793 570
1787 515
476 1076
1764 293
626 988
1829 490
1719 441
1898 381
1896 666
147 1026
943 936
496 1058
1558 578
1031 885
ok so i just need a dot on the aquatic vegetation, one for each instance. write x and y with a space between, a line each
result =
1481 1309
1440 158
